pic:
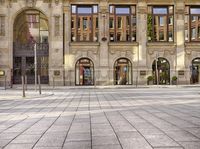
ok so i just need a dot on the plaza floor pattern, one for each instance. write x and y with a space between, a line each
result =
158 118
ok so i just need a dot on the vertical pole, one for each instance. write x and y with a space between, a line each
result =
35 59
23 89
157 69
64 47
53 82
26 82
5 82
137 68
40 92
11 82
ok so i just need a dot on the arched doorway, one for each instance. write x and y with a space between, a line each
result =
163 71
84 72
195 75
30 27
123 72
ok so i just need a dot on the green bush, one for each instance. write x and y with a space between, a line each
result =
150 78
174 78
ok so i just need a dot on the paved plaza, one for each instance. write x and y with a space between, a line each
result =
101 118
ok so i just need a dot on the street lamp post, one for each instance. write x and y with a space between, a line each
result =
156 62
35 59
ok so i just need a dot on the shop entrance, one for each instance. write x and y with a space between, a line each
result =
84 72
122 72
195 75
163 69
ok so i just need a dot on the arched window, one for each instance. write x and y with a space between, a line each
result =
30 26
195 75
84 72
122 72
163 71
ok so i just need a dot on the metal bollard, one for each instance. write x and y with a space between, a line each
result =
40 92
5 82
26 82
23 87
53 82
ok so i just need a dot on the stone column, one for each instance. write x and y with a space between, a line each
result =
179 39
56 44
103 72
68 59
141 54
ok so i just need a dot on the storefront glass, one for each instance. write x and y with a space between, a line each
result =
123 72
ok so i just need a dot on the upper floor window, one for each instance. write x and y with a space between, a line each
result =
84 23
160 23
192 23
122 23
2 25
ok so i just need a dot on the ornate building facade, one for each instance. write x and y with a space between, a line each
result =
100 42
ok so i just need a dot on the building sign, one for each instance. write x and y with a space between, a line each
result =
56 73
143 73
181 72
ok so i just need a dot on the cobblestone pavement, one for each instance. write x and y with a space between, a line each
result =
158 118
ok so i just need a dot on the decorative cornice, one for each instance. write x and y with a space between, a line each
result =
127 47
190 47
161 47
76 47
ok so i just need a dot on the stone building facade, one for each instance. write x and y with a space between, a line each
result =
95 58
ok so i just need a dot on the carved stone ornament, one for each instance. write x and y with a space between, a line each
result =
30 3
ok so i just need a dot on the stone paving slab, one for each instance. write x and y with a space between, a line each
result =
102 118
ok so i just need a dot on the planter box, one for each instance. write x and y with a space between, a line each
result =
150 82
174 82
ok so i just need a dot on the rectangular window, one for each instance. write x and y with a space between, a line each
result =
84 23
122 10
84 10
195 10
192 23
160 23
122 23
159 11
2 25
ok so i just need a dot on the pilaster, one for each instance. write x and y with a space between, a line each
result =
103 39
142 33
68 59
179 38
56 44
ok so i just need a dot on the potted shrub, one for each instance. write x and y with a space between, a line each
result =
150 80
174 80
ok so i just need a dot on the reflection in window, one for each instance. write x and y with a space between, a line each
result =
122 10
31 25
122 23
84 22
17 66
192 24
160 11
160 23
